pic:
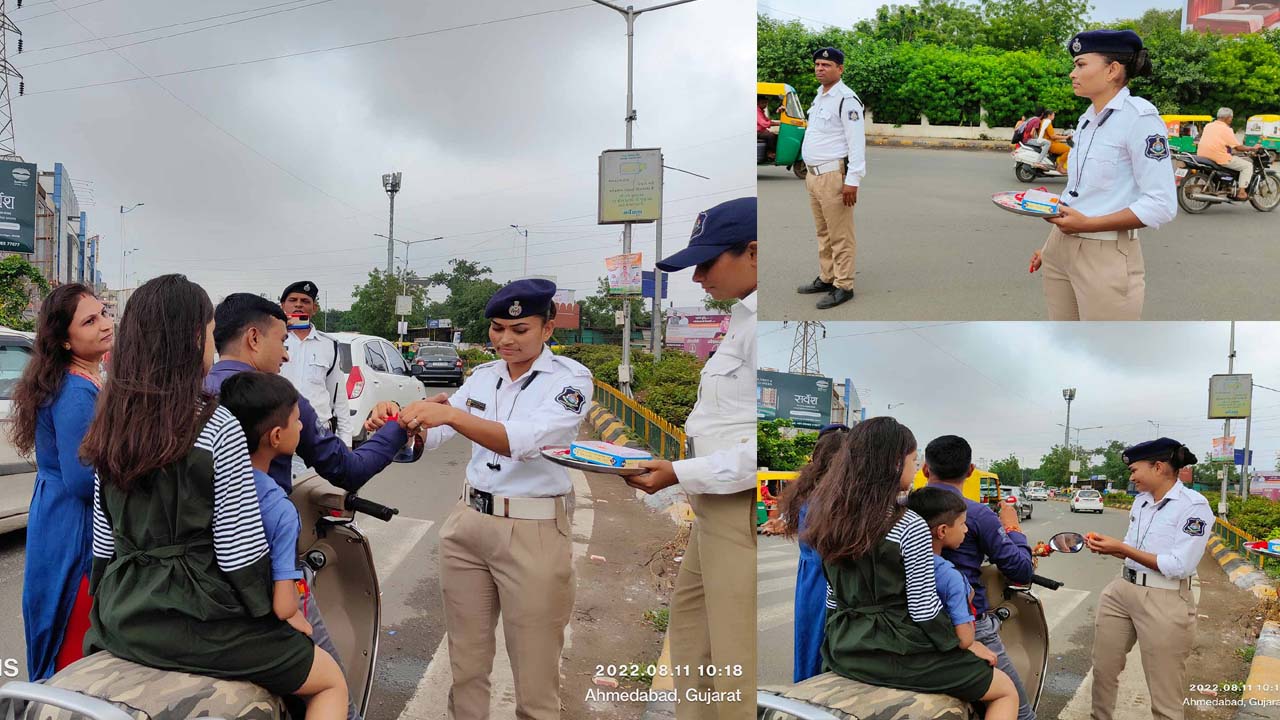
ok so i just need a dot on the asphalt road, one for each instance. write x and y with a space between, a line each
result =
931 246
1068 611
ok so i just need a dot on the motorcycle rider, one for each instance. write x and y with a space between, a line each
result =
948 461
1057 143
1216 144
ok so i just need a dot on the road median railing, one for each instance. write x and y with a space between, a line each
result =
661 437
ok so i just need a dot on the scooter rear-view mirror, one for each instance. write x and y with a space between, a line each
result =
411 451
1067 542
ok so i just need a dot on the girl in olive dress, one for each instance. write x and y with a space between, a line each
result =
885 623
181 573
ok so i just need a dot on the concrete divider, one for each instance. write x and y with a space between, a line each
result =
1241 572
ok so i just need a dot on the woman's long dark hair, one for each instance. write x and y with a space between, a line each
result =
154 403
797 493
856 502
42 378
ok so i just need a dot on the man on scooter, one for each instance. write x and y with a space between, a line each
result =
1218 141
948 461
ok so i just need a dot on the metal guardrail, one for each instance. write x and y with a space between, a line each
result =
663 438
1236 539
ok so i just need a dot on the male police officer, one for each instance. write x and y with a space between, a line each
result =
834 153
312 366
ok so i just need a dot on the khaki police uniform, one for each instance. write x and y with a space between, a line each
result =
834 153
505 550
1155 609
713 608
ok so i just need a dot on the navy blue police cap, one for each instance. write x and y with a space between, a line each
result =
306 287
1105 41
829 53
1159 449
724 226
522 299
830 427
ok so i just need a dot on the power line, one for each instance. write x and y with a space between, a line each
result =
301 53
55 12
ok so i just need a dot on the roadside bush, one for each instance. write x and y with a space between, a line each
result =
668 387
472 357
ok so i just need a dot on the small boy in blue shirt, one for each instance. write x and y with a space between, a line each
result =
267 408
945 513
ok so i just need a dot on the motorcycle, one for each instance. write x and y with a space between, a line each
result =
1023 629
1027 167
344 585
1202 182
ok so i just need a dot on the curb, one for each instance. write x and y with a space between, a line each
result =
1242 574
938 143
607 426
1262 699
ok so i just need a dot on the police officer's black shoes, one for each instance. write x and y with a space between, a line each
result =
815 287
837 296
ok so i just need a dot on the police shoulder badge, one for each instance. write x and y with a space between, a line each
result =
853 115
515 310
1157 147
571 399
1195 526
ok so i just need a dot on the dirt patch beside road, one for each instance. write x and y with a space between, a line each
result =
1229 623
620 610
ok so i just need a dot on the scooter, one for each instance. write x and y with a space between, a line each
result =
1026 165
344 584
1023 630
1202 182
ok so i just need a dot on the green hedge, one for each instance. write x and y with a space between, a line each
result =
668 387
472 357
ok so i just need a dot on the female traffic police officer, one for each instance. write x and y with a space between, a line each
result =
506 547
713 610
1119 179
1151 602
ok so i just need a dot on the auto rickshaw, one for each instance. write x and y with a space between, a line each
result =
769 486
1179 131
1264 131
791 125
980 486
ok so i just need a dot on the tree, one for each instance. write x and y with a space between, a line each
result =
469 288
373 312
1008 469
21 286
334 320
1043 25
1055 466
778 452
598 310
721 305
1113 467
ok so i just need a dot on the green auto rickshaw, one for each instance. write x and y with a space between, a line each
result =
1179 126
1264 131
790 128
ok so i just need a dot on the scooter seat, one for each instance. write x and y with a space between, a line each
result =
149 694
851 700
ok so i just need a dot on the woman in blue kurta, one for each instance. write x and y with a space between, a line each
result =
811 583
52 406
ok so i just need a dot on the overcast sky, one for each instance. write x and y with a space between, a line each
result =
844 13
255 175
999 384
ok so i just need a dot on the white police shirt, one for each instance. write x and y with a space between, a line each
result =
308 370
722 425
542 407
1176 530
1122 161
837 130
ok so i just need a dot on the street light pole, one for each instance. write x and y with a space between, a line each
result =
1068 394
404 275
525 233
630 13
1226 424
122 250
391 183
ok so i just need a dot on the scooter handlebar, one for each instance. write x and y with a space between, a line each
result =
1045 582
368 507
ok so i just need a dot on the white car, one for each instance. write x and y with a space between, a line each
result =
1087 501
1038 492
17 475
376 372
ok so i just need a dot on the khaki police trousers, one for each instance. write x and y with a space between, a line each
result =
1093 279
523 570
834 223
1163 623
713 611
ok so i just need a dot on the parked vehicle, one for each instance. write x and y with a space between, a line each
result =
1023 505
1037 492
437 363
1203 182
375 373
17 473
1086 500
1025 633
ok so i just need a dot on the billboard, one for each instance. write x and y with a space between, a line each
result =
18 206
1230 17
630 186
695 330
1230 396
805 400
1223 449
624 274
